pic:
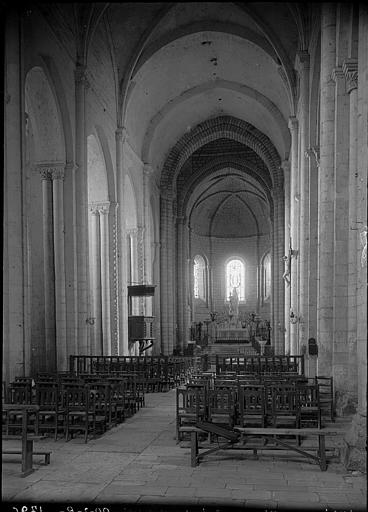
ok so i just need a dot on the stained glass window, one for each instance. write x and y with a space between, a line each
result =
199 278
235 278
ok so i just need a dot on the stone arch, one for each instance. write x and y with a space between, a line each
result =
212 129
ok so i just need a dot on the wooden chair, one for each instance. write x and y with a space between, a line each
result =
285 406
119 403
104 406
326 395
251 406
309 406
191 407
18 393
80 413
221 405
51 412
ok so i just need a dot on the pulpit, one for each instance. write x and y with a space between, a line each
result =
140 327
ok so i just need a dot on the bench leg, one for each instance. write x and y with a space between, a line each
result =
193 449
27 456
322 453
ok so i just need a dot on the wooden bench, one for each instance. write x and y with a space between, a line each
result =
271 434
27 439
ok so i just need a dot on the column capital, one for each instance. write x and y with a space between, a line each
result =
50 170
350 69
302 60
337 74
293 123
132 231
80 76
285 166
101 208
121 134
148 170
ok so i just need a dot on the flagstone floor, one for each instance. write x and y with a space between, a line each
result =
139 462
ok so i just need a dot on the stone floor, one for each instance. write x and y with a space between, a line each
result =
138 465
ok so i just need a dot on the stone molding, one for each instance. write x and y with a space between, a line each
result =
350 69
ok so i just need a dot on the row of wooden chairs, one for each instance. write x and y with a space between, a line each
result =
162 372
234 379
250 405
260 364
71 405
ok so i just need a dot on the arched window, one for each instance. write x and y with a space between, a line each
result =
266 276
235 278
199 271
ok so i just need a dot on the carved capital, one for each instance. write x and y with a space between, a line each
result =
50 170
80 76
350 69
148 170
100 208
337 74
121 134
293 123
302 61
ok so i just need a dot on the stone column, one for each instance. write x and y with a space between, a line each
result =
285 165
120 135
60 299
48 269
147 174
81 85
180 221
133 233
350 68
105 282
113 278
303 116
313 155
15 336
362 210
278 269
166 274
140 235
340 358
326 192
96 281
293 127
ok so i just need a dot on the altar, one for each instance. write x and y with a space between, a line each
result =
233 335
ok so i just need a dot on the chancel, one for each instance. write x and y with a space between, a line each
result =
185 249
